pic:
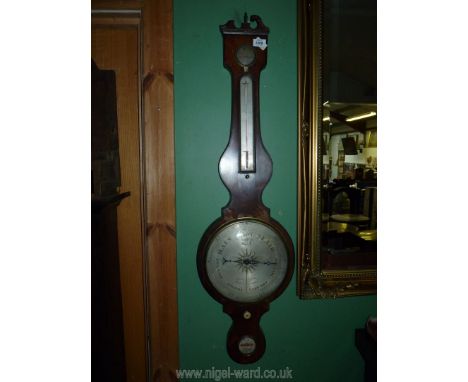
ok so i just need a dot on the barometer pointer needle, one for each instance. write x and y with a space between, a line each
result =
253 262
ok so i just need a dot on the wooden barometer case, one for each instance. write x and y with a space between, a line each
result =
245 258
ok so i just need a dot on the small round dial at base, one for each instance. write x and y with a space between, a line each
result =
247 345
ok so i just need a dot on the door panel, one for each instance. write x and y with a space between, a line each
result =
153 45
115 45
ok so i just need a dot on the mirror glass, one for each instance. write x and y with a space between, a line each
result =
349 134
337 200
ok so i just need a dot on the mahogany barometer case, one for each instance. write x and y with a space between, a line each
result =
245 258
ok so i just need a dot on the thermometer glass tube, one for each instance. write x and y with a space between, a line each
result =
247 158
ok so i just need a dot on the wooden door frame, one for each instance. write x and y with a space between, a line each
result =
158 178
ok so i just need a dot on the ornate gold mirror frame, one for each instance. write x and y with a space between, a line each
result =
314 280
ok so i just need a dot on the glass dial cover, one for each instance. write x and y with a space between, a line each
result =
245 55
246 261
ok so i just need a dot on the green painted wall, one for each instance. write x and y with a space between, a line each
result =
313 338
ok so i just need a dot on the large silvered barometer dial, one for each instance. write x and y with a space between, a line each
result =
246 261
245 257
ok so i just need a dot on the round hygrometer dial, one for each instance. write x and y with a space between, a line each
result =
245 55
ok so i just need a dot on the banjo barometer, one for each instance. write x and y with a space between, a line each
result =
245 258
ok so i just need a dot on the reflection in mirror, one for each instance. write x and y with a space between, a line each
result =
349 185
338 148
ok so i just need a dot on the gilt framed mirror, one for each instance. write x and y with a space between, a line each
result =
337 121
